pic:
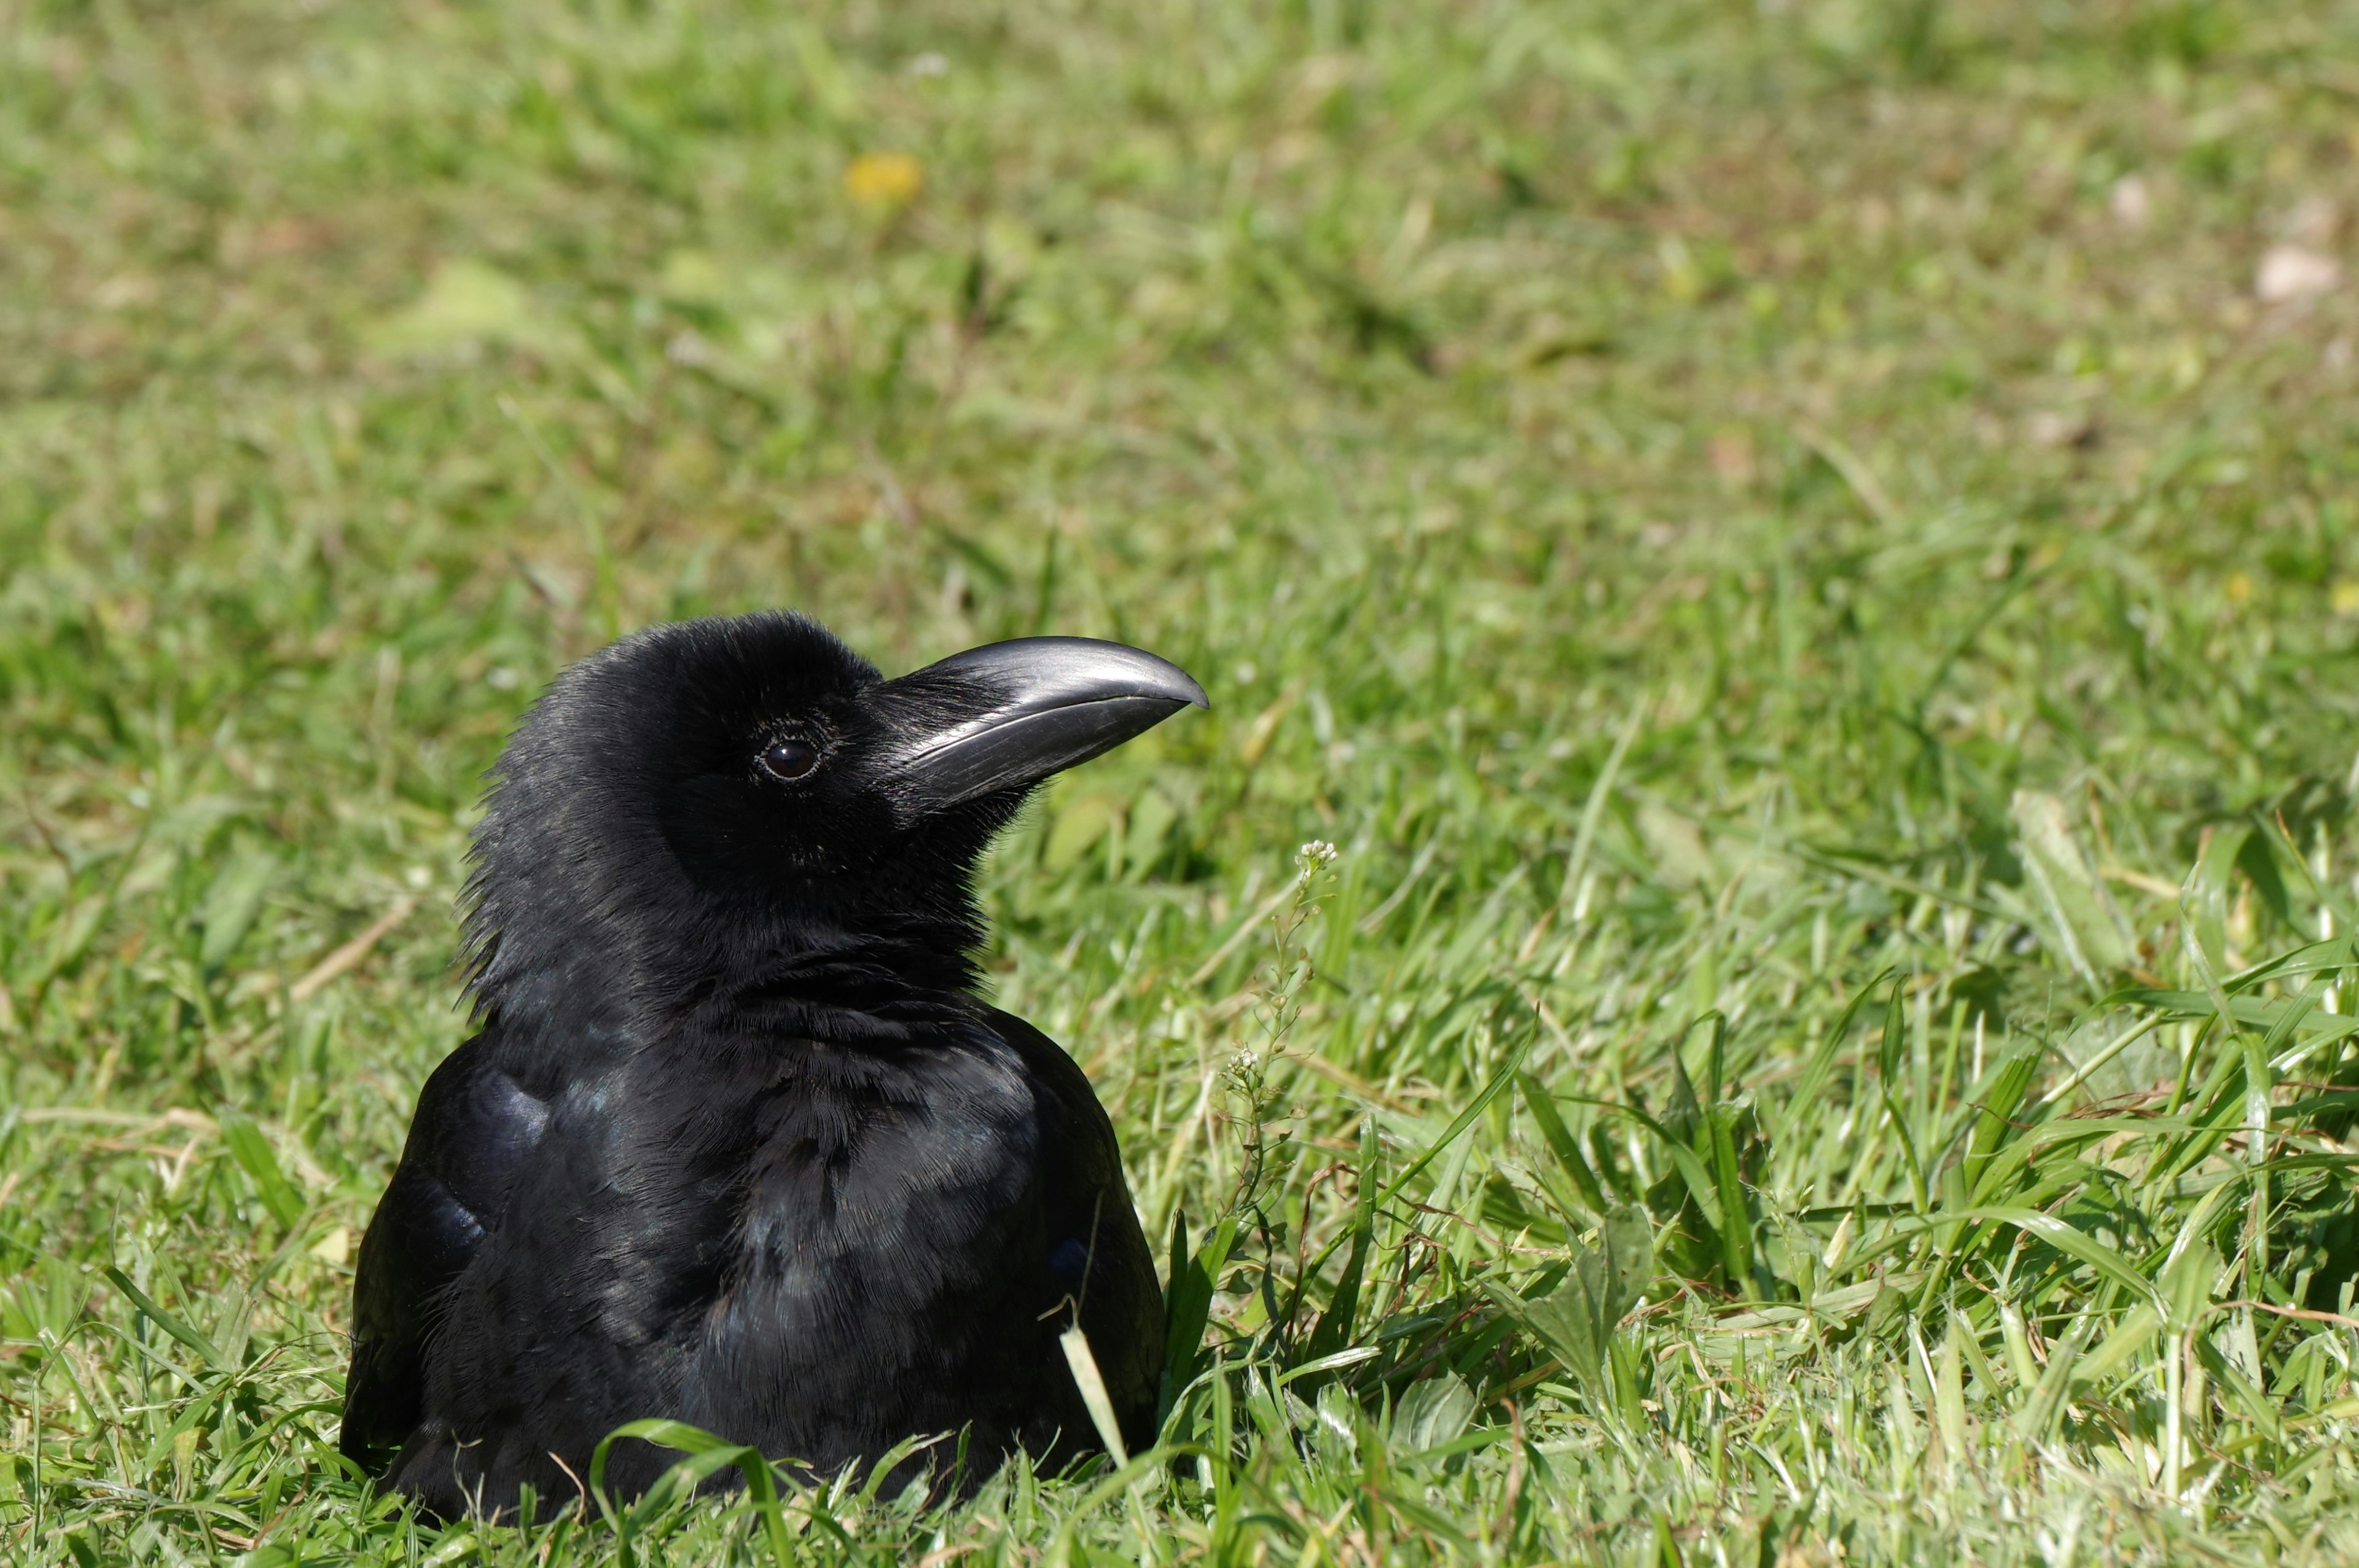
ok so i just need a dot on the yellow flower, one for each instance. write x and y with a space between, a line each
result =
2240 588
883 182
2345 597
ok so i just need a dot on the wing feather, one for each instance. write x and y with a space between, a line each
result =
473 1131
1090 1213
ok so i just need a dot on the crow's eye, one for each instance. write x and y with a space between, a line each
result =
789 759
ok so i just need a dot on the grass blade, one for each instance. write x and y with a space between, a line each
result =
165 1320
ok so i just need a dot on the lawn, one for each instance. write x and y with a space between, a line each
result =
1799 554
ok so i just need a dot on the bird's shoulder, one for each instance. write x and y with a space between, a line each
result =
1078 1120
475 1127
479 1116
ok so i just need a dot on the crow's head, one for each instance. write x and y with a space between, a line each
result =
701 801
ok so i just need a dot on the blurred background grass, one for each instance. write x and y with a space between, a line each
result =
1703 503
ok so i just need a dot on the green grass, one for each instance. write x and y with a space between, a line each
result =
1705 505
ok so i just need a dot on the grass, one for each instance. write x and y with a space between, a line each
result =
1789 549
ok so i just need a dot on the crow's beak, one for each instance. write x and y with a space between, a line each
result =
1010 714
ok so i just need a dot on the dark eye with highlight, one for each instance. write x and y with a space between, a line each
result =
789 759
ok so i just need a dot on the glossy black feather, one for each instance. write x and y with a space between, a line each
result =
737 1143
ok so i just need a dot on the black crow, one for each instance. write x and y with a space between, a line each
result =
738 1144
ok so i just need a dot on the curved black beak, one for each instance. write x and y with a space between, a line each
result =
1010 714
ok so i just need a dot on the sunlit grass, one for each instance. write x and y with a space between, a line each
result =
1798 554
